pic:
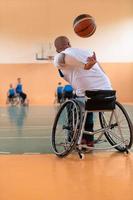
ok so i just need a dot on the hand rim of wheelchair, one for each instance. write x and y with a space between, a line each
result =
17 100
73 142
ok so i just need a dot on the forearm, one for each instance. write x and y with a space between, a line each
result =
89 64
65 60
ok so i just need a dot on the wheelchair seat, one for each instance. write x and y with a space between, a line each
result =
100 100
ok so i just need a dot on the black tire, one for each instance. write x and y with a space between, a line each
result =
66 128
124 121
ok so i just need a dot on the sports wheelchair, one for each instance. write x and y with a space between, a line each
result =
114 127
17 100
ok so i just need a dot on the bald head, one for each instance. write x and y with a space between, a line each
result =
61 43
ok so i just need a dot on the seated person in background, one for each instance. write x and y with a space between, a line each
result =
67 92
19 91
11 94
59 92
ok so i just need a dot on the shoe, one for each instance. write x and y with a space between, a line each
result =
83 141
90 143
87 142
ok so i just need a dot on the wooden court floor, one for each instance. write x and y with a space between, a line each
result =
26 130
100 176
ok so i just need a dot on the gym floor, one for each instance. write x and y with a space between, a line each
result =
27 130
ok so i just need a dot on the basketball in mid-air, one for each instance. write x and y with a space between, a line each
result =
84 25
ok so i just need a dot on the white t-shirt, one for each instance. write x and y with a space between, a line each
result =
81 79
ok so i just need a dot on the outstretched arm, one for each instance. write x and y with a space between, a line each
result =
64 60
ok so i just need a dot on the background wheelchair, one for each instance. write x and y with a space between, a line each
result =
14 100
114 126
17 100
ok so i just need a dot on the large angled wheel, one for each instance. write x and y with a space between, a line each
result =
66 128
118 128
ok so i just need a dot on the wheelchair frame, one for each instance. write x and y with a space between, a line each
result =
78 129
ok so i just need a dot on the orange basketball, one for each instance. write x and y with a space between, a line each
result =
84 25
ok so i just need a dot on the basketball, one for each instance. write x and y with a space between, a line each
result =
84 25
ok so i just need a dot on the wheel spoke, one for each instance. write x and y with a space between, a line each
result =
120 127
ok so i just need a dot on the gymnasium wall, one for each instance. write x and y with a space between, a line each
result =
27 26
40 81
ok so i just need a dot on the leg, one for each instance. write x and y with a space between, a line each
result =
59 97
87 139
23 96
10 99
89 127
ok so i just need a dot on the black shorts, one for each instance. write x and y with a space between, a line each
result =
11 96
59 97
68 95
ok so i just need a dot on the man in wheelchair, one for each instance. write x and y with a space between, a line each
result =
16 96
81 70
11 95
19 91
67 92
13 98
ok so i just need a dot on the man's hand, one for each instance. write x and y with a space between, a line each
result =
90 62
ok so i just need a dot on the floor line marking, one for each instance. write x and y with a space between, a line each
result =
4 152
25 137
34 153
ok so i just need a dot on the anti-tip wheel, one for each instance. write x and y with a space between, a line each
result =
82 156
